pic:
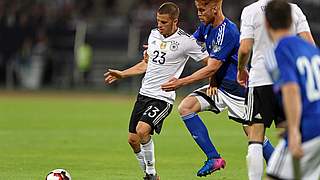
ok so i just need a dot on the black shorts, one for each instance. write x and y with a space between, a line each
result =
151 111
263 106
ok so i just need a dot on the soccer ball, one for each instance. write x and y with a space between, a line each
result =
58 174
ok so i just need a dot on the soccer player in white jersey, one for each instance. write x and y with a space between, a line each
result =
262 107
169 48
295 71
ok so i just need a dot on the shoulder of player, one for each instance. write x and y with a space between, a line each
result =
250 9
296 10
294 6
154 31
182 33
231 30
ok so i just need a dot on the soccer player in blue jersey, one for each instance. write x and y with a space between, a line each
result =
220 37
295 71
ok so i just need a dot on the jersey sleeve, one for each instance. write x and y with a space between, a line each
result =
149 42
222 49
247 26
199 33
301 22
195 50
286 66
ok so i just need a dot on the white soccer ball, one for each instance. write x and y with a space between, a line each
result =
58 174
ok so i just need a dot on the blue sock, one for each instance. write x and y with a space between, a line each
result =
200 134
267 149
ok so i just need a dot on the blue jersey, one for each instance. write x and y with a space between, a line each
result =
222 43
298 61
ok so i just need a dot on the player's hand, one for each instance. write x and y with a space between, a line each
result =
295 147
242 77
212 90
171 85
112 75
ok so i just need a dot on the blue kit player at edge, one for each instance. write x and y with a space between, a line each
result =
220 37
295 70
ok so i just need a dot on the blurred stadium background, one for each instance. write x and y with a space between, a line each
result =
60 49
68 44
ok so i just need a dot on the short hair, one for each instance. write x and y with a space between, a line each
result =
206 2
278 14
169 8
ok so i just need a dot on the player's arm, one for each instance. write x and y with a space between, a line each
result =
246 44
292 107
243 60
302 25
307 36
211 68
113 75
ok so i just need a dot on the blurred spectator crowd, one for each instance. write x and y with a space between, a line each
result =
41 41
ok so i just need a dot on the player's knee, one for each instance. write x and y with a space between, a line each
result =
143 133
257 133
133 140
185 108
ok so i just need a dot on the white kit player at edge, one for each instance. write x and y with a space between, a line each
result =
262 107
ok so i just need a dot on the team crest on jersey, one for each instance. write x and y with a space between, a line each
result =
174 46
202 45
163 45
216 48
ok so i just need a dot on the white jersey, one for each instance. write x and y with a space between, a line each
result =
167 58
253 27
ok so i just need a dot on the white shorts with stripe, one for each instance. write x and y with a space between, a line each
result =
281 165
221 101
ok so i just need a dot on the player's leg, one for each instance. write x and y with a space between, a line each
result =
267 147
255 151
237 112
133 138
188 110
134 141
147 145
256 136
151 120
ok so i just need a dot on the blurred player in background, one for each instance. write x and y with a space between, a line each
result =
262 107
169 48
295 71
220 36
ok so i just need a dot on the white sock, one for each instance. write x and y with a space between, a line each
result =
140 158
255 161
149 158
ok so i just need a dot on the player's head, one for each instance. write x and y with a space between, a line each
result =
208 10
167 18
278 17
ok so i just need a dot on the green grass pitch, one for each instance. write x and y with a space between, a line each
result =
87 135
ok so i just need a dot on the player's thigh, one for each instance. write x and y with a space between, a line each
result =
266 106
204 102
188 105
137 112
143 129
234 104
155 114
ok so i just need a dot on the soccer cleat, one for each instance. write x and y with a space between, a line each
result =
210 166
151 177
